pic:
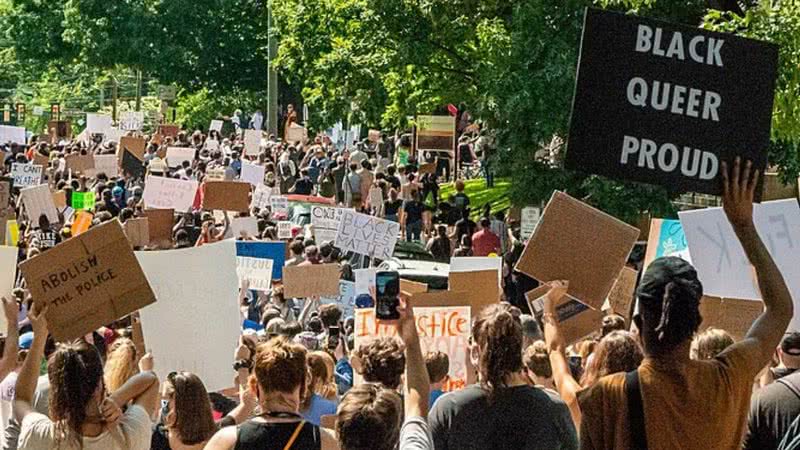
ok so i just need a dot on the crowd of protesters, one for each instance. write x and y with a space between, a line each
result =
654 383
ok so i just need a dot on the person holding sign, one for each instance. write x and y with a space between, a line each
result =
673 401
82 414
503 410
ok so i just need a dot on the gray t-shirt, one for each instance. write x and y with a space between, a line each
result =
40 405
772 411
415 435
520 417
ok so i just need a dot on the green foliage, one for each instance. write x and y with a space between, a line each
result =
197 110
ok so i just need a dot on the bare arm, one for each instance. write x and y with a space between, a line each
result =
9 360
417 386
566 385
738 191
142 389
29 374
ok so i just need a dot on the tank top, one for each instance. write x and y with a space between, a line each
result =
257 435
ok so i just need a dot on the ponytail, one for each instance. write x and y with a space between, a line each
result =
499 337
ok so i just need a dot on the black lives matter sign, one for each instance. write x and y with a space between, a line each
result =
666 104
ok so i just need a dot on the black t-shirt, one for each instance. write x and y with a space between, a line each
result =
465 227
461 201
520 418
393 181
413 210
257 435
47 238
772 411
303 186
390 207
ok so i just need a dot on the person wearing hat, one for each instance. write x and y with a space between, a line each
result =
775 408
672 401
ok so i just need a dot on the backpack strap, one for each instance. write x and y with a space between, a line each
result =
633 394
790 384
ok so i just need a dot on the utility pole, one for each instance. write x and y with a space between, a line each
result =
272 76
138 90
114 97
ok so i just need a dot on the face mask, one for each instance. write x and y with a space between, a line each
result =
164 410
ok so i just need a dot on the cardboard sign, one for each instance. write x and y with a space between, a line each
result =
345 300
177 155
732 315
412 287
83 201
721 263
366 235
530 216
81 223
244 227
252 142
436 133
325 222
38 201
261 197
59 199
8 276
41 160
169 193
216 125
666 238
26 175
253 173
444 329
276 251
11 134
576 320
137 335
279 206
136 146
284 230
296 133
107 164
168 130
672 102
427 168
581 244
190 301
78 163
5 192
480 288
310 280
137 231
160 223
88 281
131 120
257 271
226 196
623 293
98 123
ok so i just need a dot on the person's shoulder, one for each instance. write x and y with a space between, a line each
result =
608 387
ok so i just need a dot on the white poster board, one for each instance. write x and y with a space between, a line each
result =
325 222
248 225
252 141
253 173
38 200
26 175
367 235
279 205
345 300
720 260
98 123
131 120
195 287
365 279
261 197
177 155
284 229
8 275
12 134
258 271
529 218
216 125
169 193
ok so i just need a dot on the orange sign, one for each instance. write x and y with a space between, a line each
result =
82 222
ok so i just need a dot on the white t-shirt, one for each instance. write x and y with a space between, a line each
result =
132 433
415 435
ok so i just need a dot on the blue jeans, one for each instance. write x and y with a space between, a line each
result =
392 217
413 231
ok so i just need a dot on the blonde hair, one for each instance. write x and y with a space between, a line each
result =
120 364
710 343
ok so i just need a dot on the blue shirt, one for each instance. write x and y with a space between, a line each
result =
344 375
436 393
319 407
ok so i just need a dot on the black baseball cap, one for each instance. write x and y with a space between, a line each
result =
790 344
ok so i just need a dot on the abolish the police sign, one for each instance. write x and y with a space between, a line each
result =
666 104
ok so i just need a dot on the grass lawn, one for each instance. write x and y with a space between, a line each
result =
479 195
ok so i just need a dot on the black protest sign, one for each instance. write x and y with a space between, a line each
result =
666 104
131 166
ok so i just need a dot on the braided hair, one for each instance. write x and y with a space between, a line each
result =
669 300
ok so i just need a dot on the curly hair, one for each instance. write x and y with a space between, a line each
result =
619 351
75 371
369 418
330 315
280 366
120 364
382 361
499 337
710 343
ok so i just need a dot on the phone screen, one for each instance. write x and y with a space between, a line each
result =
333 337
387 289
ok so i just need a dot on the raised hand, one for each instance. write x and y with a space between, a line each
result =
738 189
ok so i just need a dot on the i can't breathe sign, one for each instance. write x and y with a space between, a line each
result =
666 104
